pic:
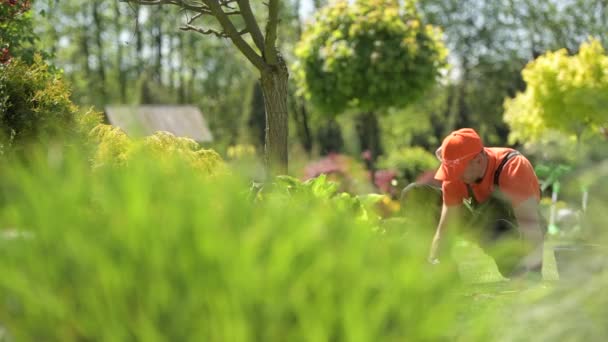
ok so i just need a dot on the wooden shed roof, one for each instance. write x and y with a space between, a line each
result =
182 121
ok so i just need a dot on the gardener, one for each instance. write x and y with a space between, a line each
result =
492 195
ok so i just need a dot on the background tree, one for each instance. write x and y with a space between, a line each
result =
16 31
261 52
367 57
298 107
490 42
34 104
34 99
207 73
564 93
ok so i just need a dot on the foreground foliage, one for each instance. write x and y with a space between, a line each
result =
143 251
151 253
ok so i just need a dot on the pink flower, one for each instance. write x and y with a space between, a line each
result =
5 55
333 163
384 179
366 155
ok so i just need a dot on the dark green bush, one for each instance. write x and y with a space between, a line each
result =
34 103
410 162
17 37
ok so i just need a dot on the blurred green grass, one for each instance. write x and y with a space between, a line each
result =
157 253
476 267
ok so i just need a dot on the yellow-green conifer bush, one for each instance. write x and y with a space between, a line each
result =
565 93
114 147
35 104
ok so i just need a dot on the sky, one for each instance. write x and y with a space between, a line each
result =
306 8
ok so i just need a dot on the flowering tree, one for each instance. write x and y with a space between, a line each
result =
15 30
260 50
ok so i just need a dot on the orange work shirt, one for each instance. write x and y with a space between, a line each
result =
517 181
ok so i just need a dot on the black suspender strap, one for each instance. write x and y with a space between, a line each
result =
502 164
470 191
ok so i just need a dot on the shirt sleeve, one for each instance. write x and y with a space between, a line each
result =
518 181
453 193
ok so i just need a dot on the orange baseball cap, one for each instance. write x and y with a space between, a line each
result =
457 149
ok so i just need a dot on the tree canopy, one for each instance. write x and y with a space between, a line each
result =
368 56
567 93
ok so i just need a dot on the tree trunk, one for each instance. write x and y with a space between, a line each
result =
52 24
318 4
172 70
299 108
99 42
257 116
368 130
451 110
84 46
274 87
191 88
304 127
329 138
300 116
158 40
122 76
139 43
181 93
463 108
192 85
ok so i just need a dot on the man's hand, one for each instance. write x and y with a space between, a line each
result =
449 216
433 259
526 215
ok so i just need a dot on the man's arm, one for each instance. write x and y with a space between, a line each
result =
529 223
450 215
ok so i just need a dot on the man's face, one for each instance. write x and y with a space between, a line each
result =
472 172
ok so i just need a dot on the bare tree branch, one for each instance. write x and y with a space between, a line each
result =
194 17
208 12
218 34
214 8
270 50
234 35
195 8
251 24
226 3
183 4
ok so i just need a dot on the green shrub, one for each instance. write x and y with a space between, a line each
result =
566 93
154 256
322 190
367 55
410 162
34 103
17 37
114 147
